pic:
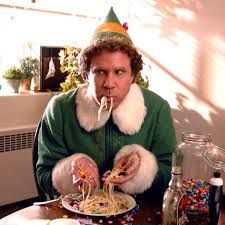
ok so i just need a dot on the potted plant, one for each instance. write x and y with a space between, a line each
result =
29 67
11 79
69 63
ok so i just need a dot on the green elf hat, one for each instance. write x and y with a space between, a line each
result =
111 28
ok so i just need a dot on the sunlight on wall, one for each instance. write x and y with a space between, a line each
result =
184 42
184 14
216 70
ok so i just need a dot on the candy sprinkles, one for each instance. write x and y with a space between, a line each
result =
197 196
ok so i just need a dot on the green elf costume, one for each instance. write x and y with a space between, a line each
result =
70 128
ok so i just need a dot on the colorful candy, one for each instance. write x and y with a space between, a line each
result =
197 195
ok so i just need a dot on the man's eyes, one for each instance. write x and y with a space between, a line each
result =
100 72
103 72
120 72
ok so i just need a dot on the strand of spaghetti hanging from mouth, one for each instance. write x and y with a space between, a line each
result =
104 106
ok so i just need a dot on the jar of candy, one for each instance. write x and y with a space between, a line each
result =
196 172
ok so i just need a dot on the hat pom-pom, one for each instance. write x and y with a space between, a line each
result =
125 25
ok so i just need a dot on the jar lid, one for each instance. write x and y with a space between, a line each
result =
215 157
188 136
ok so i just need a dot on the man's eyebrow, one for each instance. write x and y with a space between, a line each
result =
121 68
98 68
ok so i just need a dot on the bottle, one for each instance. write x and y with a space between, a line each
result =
215 195
174 207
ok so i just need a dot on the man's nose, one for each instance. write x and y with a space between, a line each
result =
109 81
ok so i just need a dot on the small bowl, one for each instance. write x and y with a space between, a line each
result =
64 221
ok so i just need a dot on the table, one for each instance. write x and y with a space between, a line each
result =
149 214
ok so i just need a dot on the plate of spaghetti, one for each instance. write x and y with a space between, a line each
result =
99 203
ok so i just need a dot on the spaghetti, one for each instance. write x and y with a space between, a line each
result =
102 201
104 106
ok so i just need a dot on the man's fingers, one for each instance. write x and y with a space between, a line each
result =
122 179
75 179
121 163
130 166
133 168
72 171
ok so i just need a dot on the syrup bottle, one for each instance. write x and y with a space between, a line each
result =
174 207
215 195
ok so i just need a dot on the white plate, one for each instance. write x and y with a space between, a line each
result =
131 204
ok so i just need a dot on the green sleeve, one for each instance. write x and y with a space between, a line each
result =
51 147
163 144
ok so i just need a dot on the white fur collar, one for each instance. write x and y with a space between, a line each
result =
128 116
130 113
87 111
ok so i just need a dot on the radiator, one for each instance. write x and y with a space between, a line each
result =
16 171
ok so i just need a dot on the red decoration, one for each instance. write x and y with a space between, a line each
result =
125 25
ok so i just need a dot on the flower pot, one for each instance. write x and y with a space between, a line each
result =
10 85
25 85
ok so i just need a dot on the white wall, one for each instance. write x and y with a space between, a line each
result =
22 110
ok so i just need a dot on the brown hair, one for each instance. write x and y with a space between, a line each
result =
110 45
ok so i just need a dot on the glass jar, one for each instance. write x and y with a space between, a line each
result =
196 172
215 157
193 146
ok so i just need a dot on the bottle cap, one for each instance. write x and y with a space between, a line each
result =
216 180
216 174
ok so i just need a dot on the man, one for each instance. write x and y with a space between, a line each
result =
108 122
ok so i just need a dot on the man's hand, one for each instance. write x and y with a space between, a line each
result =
129 166
84 174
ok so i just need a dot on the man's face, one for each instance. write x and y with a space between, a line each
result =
111 76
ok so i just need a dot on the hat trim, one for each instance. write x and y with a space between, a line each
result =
111 27
103 35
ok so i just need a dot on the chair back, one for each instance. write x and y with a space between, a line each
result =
41 195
